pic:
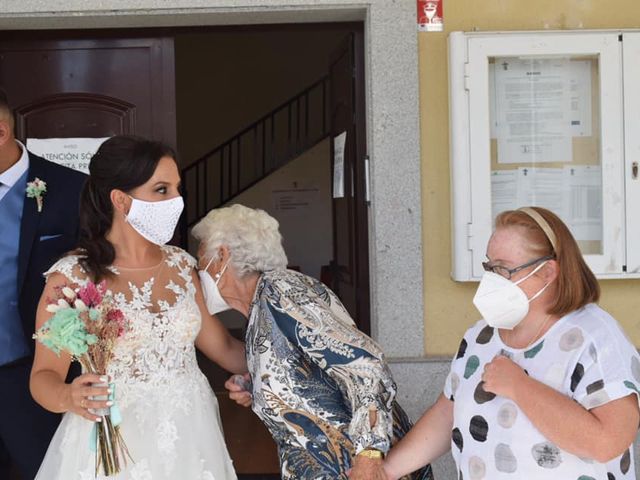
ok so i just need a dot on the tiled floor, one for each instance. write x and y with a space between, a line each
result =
248 441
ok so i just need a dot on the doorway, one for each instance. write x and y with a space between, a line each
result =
277 101
261 97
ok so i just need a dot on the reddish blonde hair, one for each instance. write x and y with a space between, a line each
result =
576 285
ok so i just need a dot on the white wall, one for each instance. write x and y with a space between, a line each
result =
307 225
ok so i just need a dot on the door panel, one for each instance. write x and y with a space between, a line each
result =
91 88
350 272
65 115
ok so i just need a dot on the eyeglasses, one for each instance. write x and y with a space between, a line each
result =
508 272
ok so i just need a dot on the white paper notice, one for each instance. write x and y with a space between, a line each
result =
71 152
574 193
583 198
542 187
533 110
339 143
580 98
504 193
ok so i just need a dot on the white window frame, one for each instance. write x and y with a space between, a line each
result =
469 55
631 82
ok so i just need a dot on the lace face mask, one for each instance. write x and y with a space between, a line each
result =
155 221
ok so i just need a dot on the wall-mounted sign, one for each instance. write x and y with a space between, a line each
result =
430 17
339 143
71 152
294 201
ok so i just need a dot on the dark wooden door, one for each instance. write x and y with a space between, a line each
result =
350 272
79 87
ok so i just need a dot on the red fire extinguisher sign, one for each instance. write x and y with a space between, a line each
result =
430 18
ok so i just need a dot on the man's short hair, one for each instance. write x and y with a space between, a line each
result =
5 108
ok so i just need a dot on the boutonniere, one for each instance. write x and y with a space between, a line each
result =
36 189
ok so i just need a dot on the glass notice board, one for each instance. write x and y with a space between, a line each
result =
537 118
545 140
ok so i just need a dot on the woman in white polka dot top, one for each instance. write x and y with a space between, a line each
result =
546 385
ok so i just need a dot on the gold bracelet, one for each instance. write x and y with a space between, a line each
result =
371 453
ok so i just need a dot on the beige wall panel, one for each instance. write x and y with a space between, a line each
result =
448 308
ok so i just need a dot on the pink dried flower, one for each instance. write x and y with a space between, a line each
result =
117 316
91 294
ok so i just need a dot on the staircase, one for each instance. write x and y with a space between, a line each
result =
255 152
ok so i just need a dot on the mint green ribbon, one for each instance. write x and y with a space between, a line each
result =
93 438
114 411
116 419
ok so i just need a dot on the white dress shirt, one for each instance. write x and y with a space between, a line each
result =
9 177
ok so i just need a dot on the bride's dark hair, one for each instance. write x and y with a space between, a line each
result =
124 163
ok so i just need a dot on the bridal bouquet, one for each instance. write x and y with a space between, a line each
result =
86 324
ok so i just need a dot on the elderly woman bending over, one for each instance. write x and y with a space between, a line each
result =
321 386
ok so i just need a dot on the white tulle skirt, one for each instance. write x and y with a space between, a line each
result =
172 432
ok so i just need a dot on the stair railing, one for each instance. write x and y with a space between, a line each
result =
256 151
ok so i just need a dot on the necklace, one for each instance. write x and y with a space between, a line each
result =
152 267
535 336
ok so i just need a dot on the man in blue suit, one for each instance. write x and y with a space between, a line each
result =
31 240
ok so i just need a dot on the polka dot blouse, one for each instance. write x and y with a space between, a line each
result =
585 355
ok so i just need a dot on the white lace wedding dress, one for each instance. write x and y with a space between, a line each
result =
170 417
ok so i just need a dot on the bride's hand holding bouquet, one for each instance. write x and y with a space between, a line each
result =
86 325
78 398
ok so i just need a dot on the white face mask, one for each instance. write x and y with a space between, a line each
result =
501 302
212 297
155 221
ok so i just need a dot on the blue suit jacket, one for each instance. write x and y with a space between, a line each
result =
47 235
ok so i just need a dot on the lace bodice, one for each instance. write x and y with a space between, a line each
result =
162 317
170 417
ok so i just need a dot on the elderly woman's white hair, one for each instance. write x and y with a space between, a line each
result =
251 235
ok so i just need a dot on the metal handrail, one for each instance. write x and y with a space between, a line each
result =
255 152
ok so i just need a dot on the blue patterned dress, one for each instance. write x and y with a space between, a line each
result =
315 379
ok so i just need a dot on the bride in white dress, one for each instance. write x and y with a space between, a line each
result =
170 419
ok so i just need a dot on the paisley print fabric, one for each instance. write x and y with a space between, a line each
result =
317 379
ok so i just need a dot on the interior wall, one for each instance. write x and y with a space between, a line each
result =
299 196
227 79
448 308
